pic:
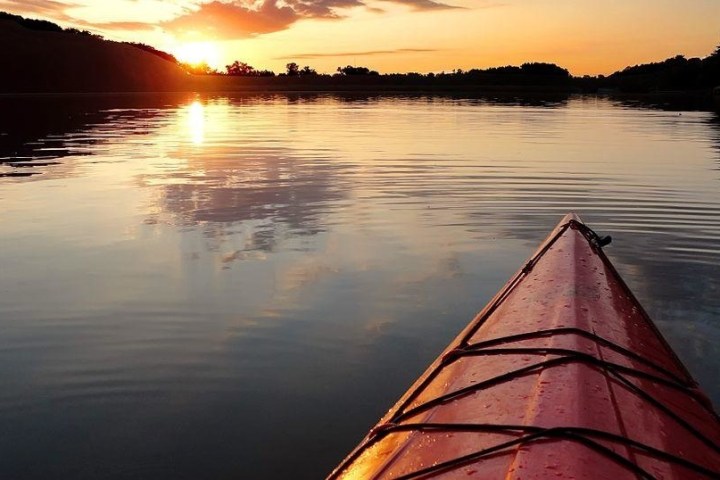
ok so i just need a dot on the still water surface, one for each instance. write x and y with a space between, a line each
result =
216 288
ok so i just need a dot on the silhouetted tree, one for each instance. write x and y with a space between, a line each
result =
242 69
239 68
306 70
76 31
539 68
507 70
711 66
292 69
350 70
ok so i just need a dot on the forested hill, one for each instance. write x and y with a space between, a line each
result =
39 56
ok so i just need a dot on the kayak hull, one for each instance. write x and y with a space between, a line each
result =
562 375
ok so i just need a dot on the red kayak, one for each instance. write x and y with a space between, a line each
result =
561 376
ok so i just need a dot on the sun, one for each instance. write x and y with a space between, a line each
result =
197 53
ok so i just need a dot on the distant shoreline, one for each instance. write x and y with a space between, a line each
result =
699 100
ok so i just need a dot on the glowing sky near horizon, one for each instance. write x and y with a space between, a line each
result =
585 36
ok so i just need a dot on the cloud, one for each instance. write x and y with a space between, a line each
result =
231 21
225 19
425 4
322 8
127 26
309 56
56 11
47 8
242 19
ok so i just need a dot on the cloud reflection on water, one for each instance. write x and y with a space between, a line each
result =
268 187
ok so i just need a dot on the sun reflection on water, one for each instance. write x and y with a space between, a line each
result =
196 122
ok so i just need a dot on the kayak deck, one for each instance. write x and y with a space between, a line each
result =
562 375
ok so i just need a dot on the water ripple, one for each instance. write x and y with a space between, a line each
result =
184 274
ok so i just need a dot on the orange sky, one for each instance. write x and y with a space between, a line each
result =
585 36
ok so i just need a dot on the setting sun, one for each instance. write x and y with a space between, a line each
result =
197 53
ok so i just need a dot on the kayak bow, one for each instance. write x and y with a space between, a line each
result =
562 375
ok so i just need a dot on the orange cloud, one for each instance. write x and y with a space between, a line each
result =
230 21
219 19
234 20
50 8
56 10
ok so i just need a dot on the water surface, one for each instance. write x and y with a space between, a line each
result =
216 287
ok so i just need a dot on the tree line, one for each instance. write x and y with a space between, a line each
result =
292 69
242 69
677 73
673 74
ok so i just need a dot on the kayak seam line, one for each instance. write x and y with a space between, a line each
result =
613 398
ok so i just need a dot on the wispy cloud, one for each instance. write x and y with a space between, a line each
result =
57 11
129 26
425 4
230 20
367 53
322 8
44 8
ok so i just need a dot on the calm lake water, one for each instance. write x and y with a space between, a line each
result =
216 288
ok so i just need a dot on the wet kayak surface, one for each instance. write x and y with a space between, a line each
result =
562 375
